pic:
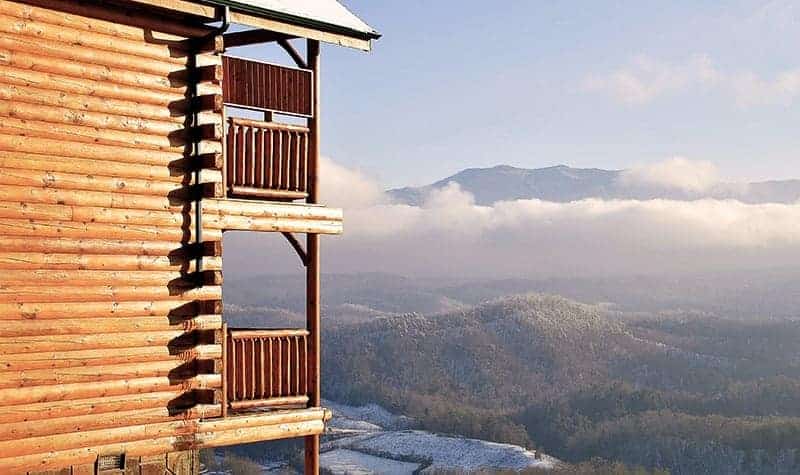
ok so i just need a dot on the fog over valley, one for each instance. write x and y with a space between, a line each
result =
672 217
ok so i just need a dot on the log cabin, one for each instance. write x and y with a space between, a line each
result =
130 141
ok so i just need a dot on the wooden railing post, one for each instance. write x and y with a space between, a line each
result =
224 370
313 322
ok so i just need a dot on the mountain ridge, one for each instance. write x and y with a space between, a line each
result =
562 183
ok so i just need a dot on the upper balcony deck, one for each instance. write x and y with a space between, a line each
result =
269 170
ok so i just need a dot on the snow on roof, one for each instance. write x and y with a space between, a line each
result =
327 12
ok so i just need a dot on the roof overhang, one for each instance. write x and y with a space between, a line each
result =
248 14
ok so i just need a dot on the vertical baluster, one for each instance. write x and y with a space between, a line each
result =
262 370
289 366
279 379
271 366
296 365
267 159
304 163
248 371
287 184
258 174
287 148
231 369
239 155
248 156
297 159
253 368
235 369
230 152
276 159
304 390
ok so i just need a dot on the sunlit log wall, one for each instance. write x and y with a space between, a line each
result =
107 334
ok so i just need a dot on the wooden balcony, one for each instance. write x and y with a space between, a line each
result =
266 160
266 369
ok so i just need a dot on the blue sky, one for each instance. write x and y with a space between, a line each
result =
457 84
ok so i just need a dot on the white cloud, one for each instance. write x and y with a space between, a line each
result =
450 235
343 187
677 173
645 79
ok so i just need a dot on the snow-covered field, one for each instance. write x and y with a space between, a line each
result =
369 439
359 463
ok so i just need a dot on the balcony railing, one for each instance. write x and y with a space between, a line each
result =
267 160
266 368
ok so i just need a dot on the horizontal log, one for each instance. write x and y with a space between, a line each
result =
131 24
13 87
26 69
112 186
158 446
51 195
249 223
35 344
162 179
88 456
247 333
247 191
117 310
141 51
110 247
42 145
260 124
95 262
125 216
33 129
42 394
264 419
102 357
175 369
55 49
81 214
258 434
271 210
85 423
274 402
50 277
73 229
35 293
27 413
89 326
205 438
59 442
62 115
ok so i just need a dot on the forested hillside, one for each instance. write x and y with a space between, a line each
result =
683 393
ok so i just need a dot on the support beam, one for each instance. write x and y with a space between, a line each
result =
297 247
313 321
284 43
250 37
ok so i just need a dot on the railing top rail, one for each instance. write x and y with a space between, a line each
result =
267 333
268 125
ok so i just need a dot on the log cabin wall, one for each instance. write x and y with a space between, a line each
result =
109 340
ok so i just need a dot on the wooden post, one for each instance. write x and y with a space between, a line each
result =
313 323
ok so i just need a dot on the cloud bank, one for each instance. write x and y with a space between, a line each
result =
677 173
449 235
645 79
